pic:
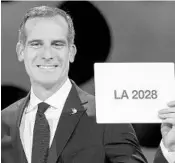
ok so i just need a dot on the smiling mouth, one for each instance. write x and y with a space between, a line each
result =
47 66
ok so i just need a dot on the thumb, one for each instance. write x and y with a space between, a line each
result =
165 128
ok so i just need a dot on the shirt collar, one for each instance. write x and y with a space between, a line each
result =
56 100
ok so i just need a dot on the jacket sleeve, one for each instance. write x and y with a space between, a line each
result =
121 144
159 158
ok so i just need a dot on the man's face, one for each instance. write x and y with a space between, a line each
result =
46 53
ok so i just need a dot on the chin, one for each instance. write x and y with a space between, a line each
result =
48 81
53 78
47 84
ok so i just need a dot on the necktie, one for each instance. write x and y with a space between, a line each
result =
41 136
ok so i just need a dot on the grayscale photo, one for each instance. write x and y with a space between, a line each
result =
53 89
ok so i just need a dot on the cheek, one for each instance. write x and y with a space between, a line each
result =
30 57
66 61
66 57
62 57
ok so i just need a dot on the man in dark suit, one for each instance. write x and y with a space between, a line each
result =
166 151
56 121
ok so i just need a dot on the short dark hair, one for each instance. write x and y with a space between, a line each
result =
46 11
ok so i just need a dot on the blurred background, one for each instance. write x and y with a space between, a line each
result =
106 31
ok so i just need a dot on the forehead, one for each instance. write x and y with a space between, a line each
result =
46 27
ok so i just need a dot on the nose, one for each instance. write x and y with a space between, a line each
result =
47 54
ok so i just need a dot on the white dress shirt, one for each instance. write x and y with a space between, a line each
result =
56 102
170 156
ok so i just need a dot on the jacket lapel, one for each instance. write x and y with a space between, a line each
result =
71 114
15 133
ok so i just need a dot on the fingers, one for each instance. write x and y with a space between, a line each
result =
171 104
167 110
165 128
169 120
167 115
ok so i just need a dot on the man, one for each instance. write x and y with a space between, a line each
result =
56 121
166 153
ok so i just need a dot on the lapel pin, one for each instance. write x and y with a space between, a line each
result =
74 111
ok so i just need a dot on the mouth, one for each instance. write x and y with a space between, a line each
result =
47 67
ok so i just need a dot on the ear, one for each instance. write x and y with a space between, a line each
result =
73 51
20 51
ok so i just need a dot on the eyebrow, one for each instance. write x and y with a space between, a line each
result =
31 41
58 41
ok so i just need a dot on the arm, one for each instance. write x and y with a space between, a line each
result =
121 144
159 158
167 151
169 156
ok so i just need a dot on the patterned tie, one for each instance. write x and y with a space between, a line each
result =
41 136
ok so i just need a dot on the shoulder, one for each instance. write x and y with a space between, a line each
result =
91 109
87 100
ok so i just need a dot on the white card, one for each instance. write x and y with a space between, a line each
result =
132 92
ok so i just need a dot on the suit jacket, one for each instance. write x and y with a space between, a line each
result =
78 138
159 158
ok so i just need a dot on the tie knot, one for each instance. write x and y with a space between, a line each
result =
42 107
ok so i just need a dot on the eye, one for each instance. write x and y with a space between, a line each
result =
58 45
35 45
